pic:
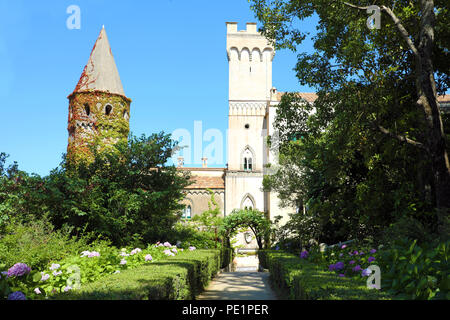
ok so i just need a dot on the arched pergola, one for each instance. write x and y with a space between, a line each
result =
251 218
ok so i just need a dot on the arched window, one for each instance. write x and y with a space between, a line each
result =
187 212
247 204
108 109
87 109
248 160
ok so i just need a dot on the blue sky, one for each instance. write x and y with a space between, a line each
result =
171 57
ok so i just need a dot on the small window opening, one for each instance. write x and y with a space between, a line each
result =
87 109
186 212
108 110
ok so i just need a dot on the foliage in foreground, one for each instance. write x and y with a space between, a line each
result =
408 271
76 271
175 278
298 279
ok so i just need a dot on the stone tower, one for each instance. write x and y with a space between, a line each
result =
99 111
250 58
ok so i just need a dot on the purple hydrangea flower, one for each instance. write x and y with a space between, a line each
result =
123 261
18 270
361 253
191 248
373 250
344 246
304 254
124 254
366 272
339 265
355 253
370 259
340 255
174 250
148 258
67 288
18 295
277 248
357 268
167 244
341 275
57 273
331 267
352 262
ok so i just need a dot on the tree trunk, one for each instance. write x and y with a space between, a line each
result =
427 100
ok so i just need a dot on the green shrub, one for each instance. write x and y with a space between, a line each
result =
189 235
298 279
416 272
175 278
36 243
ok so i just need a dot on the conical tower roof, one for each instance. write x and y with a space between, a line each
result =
100 73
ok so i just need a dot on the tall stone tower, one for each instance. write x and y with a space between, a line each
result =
250 58
99 111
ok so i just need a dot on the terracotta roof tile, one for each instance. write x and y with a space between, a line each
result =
203 182
308 96
311 97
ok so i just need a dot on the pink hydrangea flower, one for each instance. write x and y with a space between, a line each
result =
137 250
57 273
167 244
148 258
37 291
174 250
93 254
45 276
168 252
55 266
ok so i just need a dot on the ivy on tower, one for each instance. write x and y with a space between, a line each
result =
99 111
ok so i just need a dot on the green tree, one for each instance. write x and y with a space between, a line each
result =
377 105
129 195
251 218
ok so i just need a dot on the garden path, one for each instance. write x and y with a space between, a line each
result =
244 284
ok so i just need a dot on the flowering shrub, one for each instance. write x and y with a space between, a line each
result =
19 281
407 270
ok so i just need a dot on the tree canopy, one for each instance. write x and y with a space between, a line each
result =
371 151
251 218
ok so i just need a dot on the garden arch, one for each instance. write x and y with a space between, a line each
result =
254 219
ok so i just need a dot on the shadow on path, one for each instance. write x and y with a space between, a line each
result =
239 286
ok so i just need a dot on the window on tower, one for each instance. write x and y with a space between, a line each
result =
87 109
108 109
248 160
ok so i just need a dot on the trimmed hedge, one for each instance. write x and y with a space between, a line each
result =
176 278
298 279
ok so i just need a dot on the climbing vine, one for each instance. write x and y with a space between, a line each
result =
96 119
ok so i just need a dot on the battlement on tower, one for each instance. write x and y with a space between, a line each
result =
249 42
